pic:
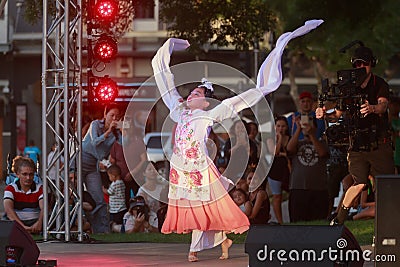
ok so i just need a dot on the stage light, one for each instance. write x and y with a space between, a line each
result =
106 90
106 10
106 48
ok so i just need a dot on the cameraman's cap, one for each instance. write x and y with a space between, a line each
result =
306 94
362 53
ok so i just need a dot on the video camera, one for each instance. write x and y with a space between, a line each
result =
346 93
348 97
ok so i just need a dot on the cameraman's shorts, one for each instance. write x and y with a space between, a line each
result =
375 162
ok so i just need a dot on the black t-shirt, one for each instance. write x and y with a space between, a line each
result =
375 88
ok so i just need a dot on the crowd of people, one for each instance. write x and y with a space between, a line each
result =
305 165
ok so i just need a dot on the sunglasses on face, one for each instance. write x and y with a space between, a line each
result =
360 63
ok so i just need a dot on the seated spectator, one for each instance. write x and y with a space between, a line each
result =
154 188
139 218
260 212
23 200
366 208
88 204
241 199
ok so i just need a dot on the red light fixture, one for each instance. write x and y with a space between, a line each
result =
106 90
106 48
106 10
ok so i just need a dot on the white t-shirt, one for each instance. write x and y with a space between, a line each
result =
129 220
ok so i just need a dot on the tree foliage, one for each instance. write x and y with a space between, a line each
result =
218 22
373 22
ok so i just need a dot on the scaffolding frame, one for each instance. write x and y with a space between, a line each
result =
61 117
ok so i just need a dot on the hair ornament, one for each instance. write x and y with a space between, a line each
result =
206 84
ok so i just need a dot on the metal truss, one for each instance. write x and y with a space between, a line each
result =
61 117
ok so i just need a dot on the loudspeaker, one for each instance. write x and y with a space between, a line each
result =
387 218
17 248
302 245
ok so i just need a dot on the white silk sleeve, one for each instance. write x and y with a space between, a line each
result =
162 73
269 76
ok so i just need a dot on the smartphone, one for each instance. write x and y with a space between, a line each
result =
123 125
304 119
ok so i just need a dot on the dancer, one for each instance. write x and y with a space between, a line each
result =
198 200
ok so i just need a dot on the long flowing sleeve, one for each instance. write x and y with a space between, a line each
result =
162 73
269 76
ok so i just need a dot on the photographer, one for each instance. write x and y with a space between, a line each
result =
370 151
96 147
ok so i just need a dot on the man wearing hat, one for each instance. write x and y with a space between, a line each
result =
370 152
306 104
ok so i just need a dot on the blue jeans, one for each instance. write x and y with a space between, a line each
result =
98 218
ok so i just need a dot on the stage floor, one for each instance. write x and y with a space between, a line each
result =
135 254
140 254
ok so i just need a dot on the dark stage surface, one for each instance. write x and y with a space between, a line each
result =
140 254
136 254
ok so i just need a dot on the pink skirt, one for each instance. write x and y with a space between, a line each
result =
221 213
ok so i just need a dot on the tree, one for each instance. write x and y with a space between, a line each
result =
203 23
373 22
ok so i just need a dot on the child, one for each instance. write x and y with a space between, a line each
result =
242 200
139 218
116 191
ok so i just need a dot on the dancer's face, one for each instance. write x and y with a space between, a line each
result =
197 99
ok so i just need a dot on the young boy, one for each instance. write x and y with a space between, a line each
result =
116 191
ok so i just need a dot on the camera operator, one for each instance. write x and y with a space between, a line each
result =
370 151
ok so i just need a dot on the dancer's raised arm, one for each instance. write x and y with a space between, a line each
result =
162 73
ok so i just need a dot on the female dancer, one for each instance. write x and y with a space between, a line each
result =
198 201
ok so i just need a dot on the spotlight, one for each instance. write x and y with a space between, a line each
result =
106 90
106 48
106 10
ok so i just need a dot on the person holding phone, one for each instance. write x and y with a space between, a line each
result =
96 146
306 114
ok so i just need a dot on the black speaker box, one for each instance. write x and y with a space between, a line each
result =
302 245
16 245
387 220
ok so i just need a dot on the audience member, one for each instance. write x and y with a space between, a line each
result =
32 151
116 191
23 200
154 188
252 131
366 208
278 176
52 172
308 195
260 212
96 146
88 204
135 149
241 199
306 107
237 147
139 218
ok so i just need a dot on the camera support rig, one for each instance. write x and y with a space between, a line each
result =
347 96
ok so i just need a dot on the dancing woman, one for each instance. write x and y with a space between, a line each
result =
198 200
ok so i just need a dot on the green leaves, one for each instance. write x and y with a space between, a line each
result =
205 23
